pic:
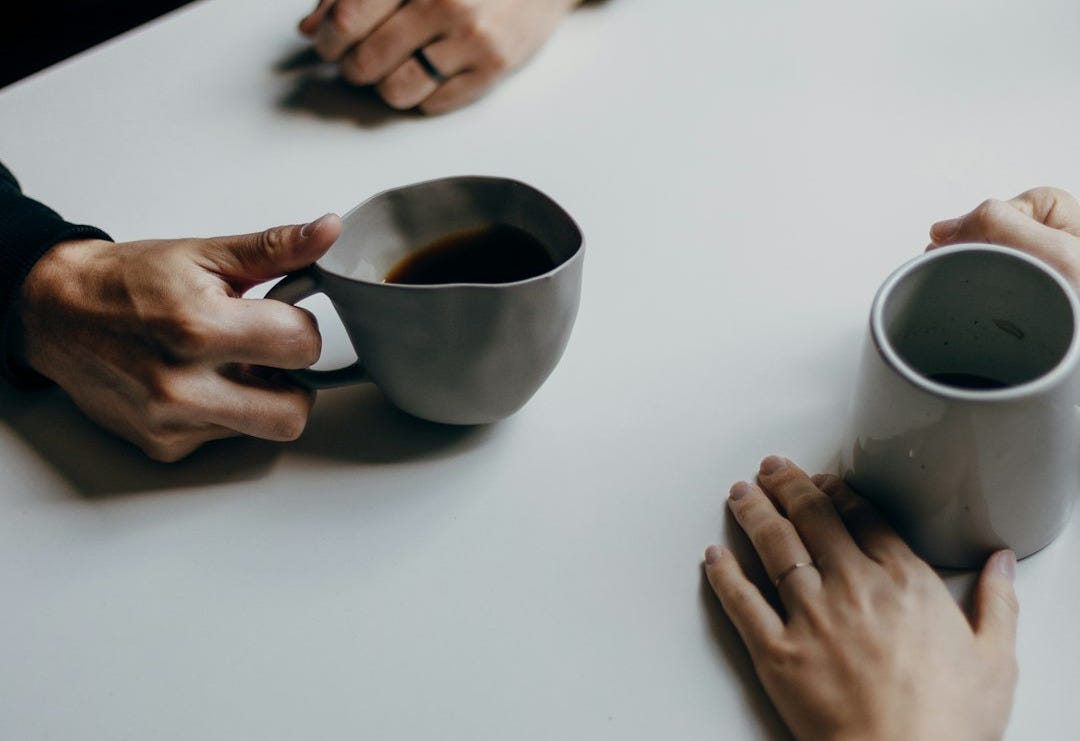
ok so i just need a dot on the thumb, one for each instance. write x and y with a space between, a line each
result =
996 606
1011 224
995 222
252 258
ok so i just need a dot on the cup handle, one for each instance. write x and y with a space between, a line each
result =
292 289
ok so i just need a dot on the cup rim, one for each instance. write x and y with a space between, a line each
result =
1039 384
578 250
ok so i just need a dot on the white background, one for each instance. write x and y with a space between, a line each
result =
746 174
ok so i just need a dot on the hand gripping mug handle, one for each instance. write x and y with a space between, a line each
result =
292 289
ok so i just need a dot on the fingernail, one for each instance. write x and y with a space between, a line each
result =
739 490
773 464
713 554
944 230
1006 564
313 226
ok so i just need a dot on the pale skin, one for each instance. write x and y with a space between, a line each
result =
1044 222
153 341
869 644
472 43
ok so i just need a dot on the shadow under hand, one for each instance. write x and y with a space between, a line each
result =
99 464
356 424
319 90
730 646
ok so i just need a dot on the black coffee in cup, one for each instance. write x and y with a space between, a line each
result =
497 253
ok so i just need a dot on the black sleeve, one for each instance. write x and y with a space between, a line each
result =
27 230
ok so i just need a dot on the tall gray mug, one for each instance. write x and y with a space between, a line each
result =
964 428
457 352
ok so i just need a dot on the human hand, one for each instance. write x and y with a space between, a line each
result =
1044 222
153 341
870 645
470 44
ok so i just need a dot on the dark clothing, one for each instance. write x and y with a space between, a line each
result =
27 230
34 35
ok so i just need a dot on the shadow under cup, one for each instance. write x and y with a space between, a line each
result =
963 426
456 353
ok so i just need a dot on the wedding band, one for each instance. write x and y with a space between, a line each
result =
432 71
786 572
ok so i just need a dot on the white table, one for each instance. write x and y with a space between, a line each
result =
746 173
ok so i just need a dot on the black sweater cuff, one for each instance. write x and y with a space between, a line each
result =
27 230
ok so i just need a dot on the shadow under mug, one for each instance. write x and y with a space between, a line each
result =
963 427
458 353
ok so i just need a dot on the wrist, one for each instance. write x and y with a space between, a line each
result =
45 293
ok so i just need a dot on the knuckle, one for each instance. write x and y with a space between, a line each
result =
273 243
165 448
780 653
360 63
1045 193
168 403
481 36
342 17
397 93
810 506
988 212
772 535
1046 200
185 333
162 396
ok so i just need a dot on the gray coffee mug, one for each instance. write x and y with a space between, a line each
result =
460 353
963 425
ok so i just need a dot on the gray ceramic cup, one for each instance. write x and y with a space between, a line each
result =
461 353
962 465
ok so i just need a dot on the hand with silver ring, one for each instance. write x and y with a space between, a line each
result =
436 55
868 642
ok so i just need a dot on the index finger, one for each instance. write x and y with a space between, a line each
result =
310 23
347 22
263 332
811 512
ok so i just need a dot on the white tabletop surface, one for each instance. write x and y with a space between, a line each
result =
746 174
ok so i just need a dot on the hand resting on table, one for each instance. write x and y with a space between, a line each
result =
869 643
433 54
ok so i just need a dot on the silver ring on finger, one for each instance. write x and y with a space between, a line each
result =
789 571
431 70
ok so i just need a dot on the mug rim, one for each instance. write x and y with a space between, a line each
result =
1041 383
579 247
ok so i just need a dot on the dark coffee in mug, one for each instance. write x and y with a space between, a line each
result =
497 253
